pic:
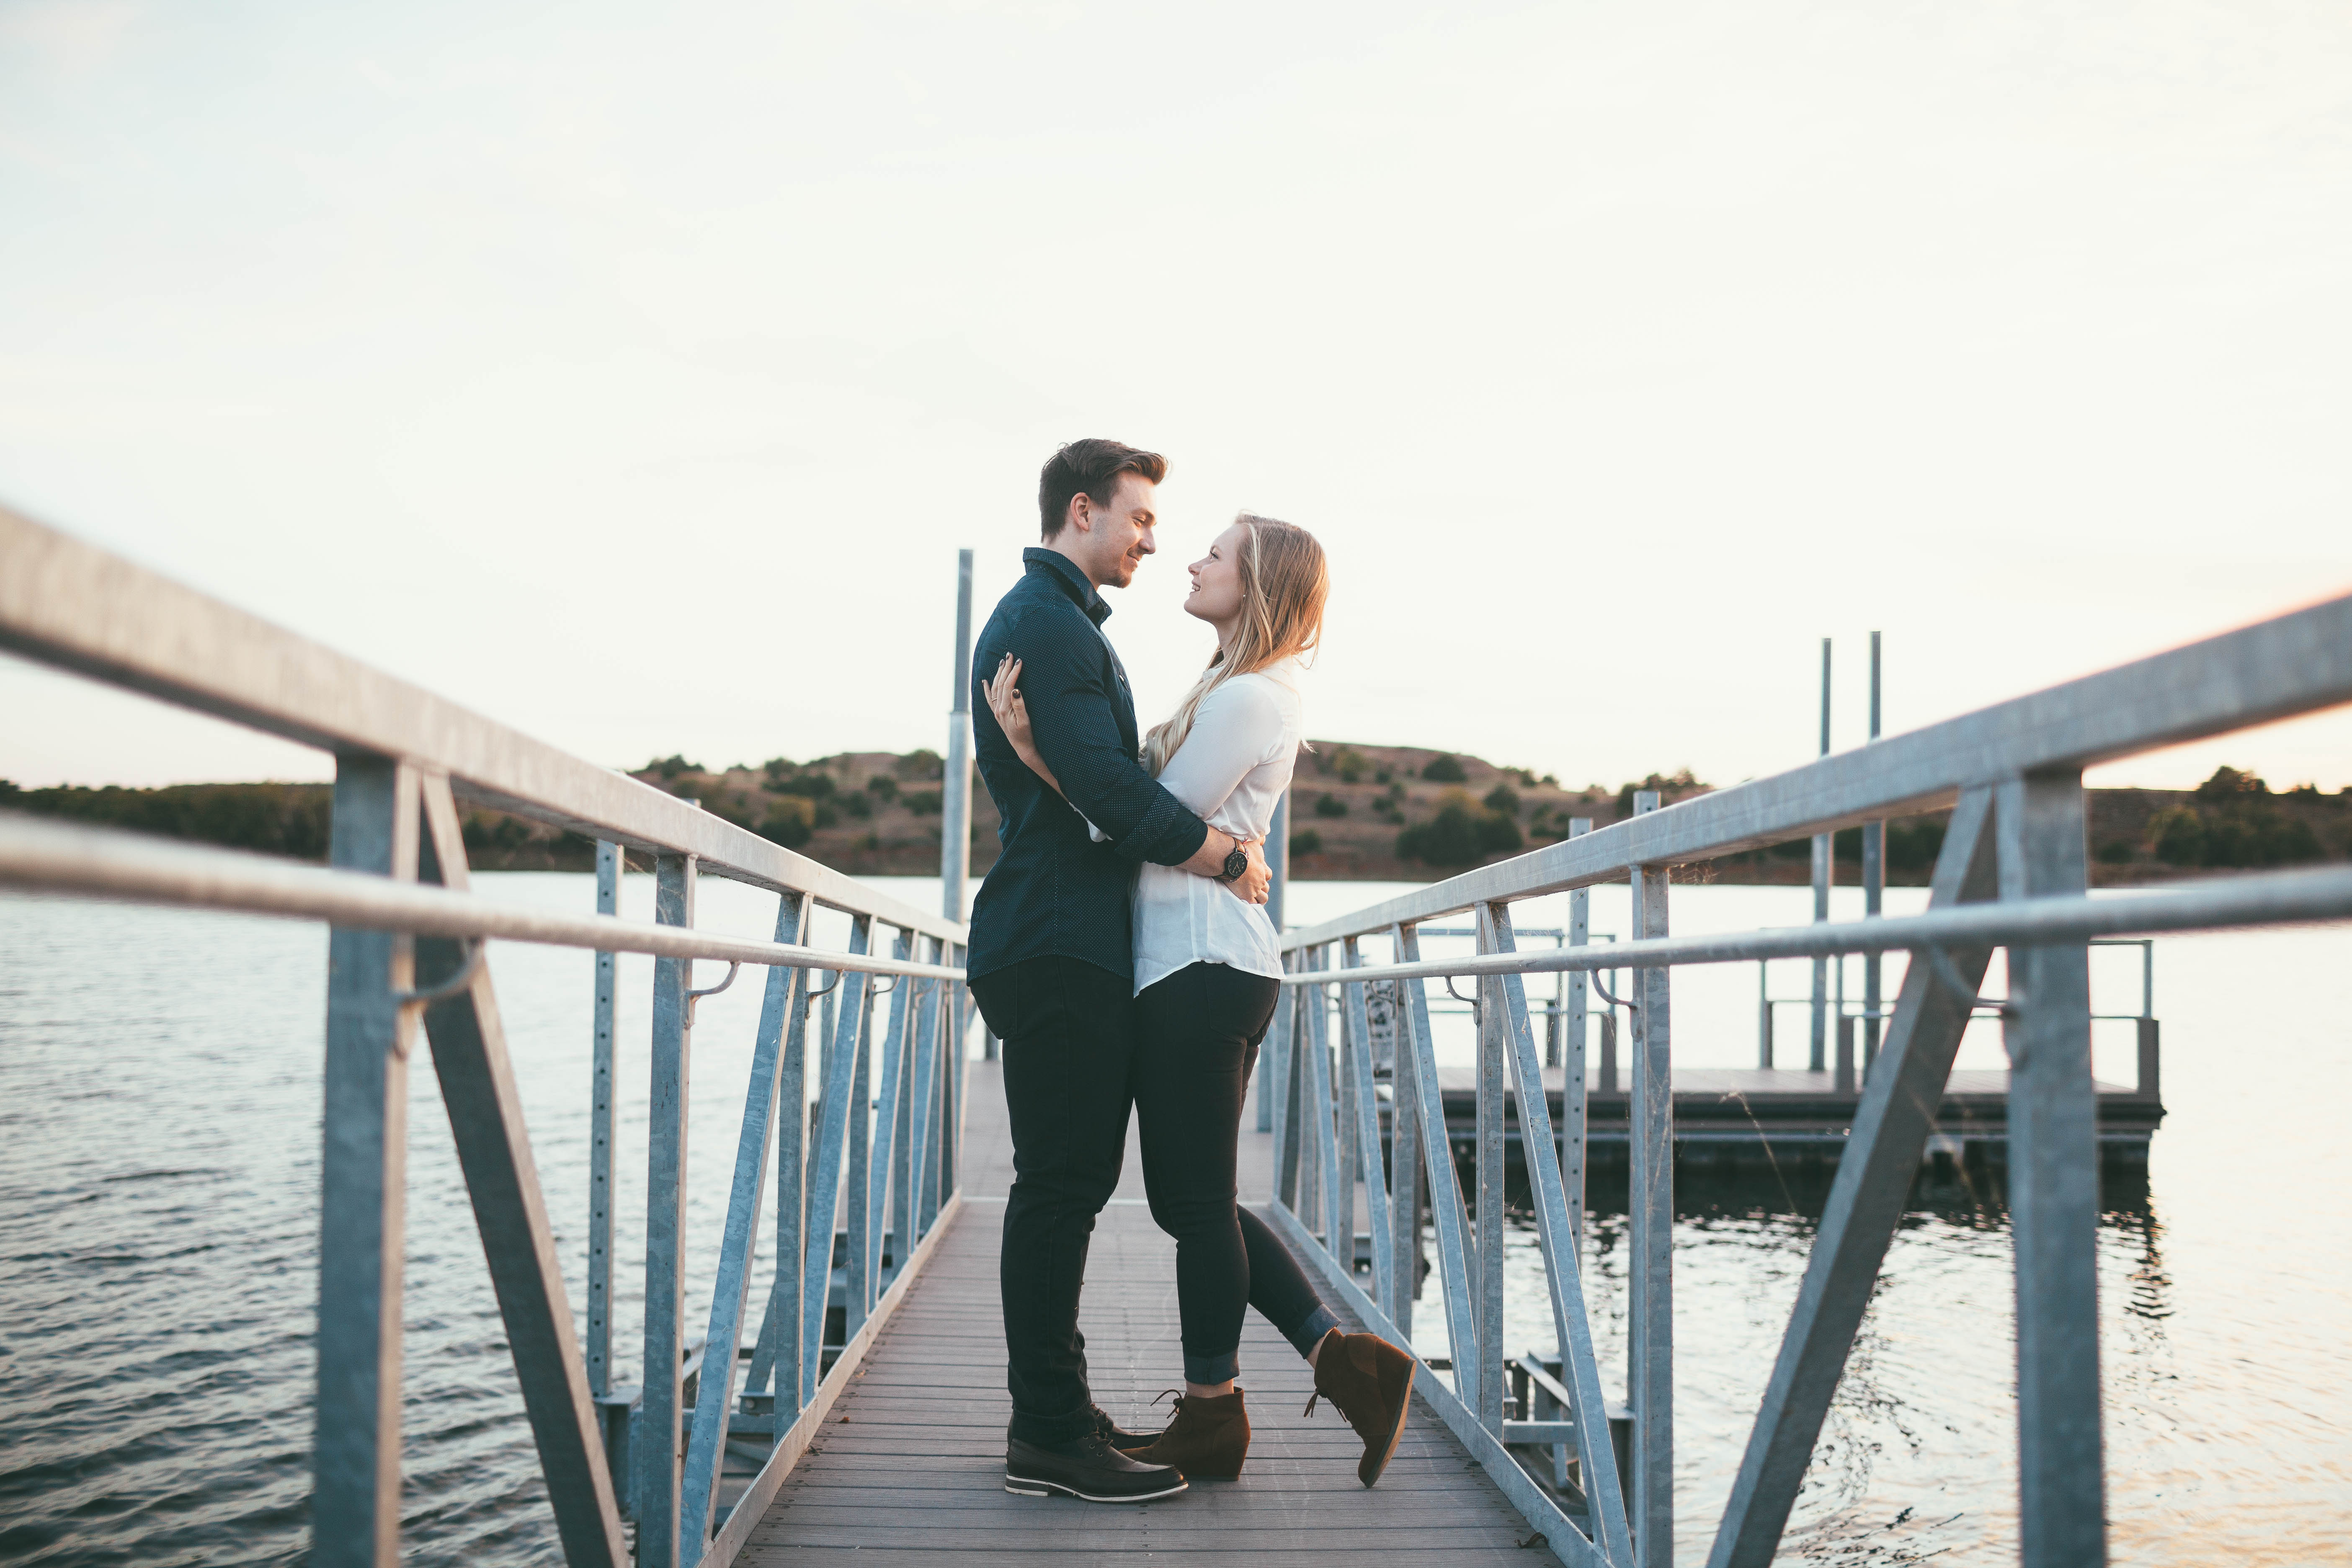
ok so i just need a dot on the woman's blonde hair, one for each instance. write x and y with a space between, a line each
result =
1285 580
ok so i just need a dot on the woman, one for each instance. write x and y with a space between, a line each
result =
1206 969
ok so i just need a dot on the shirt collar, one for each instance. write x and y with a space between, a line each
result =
1072 581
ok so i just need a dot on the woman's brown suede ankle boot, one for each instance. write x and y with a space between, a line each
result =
1209 1437
1371 1381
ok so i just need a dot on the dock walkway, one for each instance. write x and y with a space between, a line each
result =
910 1467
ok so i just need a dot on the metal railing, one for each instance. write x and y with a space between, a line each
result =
1853 1067
2012 874
406 947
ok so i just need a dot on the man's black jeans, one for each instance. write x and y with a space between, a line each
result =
1067 1038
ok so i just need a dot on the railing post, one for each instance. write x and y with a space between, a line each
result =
1764 1013
1866 1205
1447 1216
1488 1401
599 1348
1650 1125
485 1109
1356 1033
843 1053
656 1448
1573 1073
1277 861
714 1403
1336 1192
960 1029
1823 874
2054 1187
1405 1185
355 1454
1274 1080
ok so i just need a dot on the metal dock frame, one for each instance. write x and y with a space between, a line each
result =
407 945
2012 874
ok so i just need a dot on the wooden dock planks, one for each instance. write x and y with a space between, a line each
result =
910 1467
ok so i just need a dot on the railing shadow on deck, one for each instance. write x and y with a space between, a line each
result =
1359 1125
406 947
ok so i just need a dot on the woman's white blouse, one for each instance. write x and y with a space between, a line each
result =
1231 772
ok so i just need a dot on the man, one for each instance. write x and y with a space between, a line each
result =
1052 957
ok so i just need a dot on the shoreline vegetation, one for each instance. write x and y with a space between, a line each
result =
1359 813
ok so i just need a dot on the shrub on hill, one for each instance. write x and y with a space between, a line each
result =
791 821
1460 834
1444 769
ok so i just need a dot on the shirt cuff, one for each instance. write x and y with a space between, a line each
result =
1168 834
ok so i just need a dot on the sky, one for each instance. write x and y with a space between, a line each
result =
633 375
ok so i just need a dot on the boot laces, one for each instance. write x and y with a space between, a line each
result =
1318 1393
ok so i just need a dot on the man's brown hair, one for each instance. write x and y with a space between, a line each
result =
1092 468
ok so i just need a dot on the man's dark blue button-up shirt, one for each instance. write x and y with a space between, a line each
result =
1054 890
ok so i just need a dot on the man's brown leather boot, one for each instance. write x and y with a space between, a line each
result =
1209 1437
1369 1382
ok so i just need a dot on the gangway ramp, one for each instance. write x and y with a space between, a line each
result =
910 1467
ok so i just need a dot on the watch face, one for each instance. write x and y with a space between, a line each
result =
1237 863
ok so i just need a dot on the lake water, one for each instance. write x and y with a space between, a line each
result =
159 1102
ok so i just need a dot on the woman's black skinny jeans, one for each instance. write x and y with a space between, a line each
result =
1196 1039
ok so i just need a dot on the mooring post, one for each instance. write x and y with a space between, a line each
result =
955 798
598 1347
955 793
656 1450
2053 1185
1823 845
1874 896
1650 1123
355 1454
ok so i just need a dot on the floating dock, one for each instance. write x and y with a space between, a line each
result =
1733 1115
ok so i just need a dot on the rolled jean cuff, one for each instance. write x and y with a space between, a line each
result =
1309 1335
1220 1368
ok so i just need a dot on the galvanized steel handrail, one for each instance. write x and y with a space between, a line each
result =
71 604
2013 873
2296 663
2279 898
108 863
397 902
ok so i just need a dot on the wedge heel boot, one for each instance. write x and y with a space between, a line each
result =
1209 1437
1369 1382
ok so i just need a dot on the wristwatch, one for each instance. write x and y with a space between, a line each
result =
1236 863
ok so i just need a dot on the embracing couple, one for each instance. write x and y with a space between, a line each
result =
1122 950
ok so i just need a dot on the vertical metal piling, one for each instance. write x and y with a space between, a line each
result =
1823 844
1488 1219
655 1452
1650 1373
355 1487
1277 860
1873 898
598 1347
955 795
1572 1077
1405 1186
2053 1186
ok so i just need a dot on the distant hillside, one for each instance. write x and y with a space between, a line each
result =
1359 813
